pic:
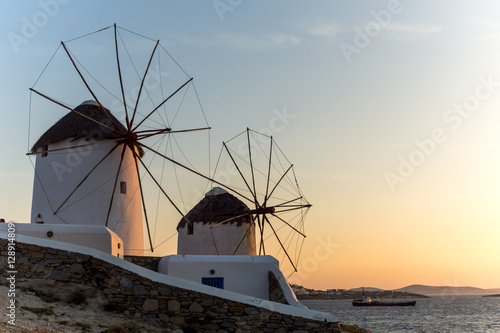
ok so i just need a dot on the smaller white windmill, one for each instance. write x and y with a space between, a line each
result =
235 237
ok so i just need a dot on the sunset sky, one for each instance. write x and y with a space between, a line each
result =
387 109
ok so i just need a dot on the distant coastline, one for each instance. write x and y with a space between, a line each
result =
449 290
379 294
413 291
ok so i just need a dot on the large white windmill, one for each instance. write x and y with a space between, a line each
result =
85 174
90 167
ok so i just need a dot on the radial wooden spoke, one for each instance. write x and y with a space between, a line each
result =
251 167
287 202
121 81
72 147
161 188
279 181
156 108
169 130
136 157
88 87
153 131
84 179
295 208
269 171
194 171
243 238
114 185
142 83
262 236
279 240
230 219
262 248
73 110
191 130
260 231
241 174
288 224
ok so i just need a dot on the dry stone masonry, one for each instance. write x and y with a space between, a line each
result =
141 297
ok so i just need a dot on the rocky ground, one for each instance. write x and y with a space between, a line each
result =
46 306
50 307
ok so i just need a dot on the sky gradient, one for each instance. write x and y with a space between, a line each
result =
387 109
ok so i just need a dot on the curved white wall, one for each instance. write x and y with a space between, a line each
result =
221 240
92 236
247 275
59 173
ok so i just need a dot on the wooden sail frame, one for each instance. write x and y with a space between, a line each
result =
129 140
263 212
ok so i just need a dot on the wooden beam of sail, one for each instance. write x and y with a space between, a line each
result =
84 179
159 105
276 185
73 110
121 81
142 85
288 224
241 174
193 171
251 167
136 157
244 236
279 240
90 90
114 184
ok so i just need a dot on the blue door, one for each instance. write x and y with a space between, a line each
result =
213 282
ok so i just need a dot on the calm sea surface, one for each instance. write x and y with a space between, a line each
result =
436 314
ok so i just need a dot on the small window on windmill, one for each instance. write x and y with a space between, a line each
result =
123 187
39 219
190 228
213 282
44 150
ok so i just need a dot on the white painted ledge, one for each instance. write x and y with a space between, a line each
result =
94 236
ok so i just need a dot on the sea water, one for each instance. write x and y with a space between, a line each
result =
453 314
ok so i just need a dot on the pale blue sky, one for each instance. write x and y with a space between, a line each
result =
353 118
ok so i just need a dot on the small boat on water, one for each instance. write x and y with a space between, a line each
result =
367 301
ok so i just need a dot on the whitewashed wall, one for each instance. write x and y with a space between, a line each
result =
221 240
59 173
92 236
247 275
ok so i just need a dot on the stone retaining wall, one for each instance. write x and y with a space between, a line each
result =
142 297
150 263
275 292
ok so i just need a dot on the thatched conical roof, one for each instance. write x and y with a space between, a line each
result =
74 126
217 206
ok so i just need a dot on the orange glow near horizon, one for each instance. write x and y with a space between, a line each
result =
347 122
400 242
